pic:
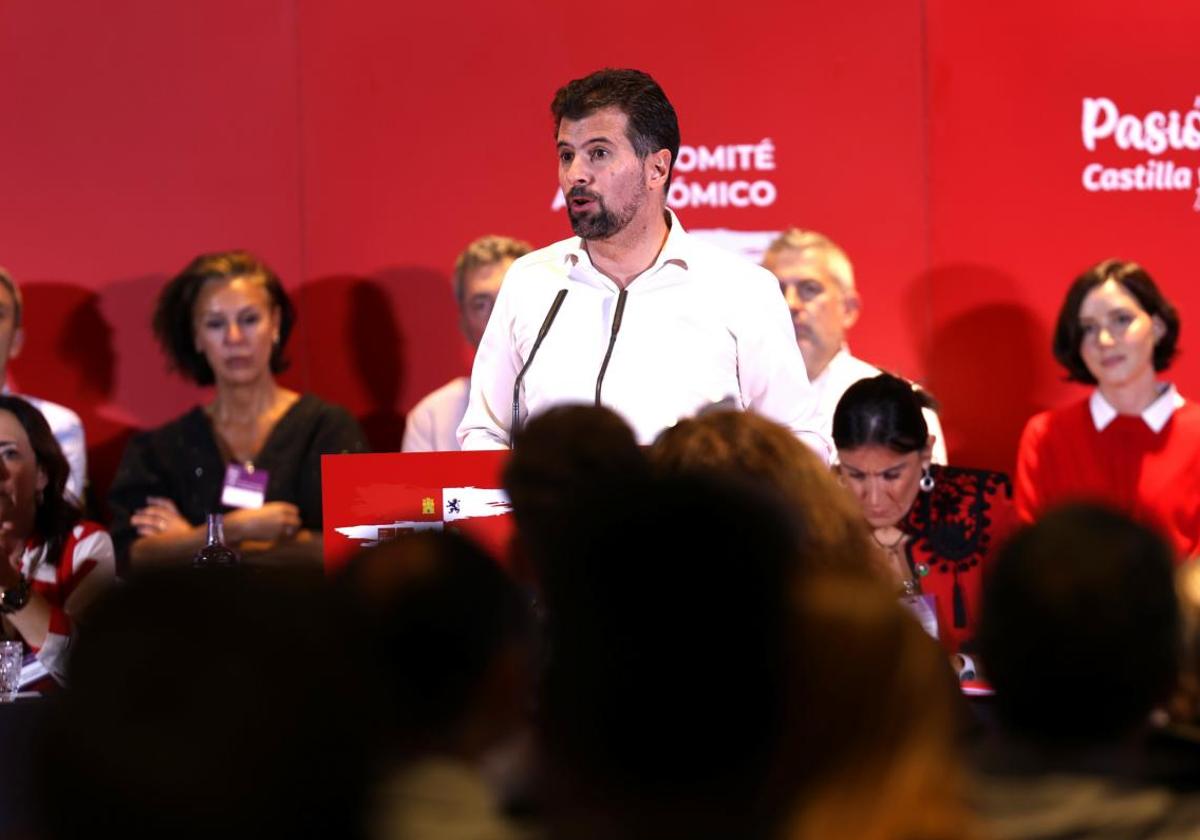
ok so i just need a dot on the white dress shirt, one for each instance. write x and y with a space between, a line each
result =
700 326
843 371
432 424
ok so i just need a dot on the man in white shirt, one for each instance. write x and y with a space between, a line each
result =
697 325
817 281
64 423
432 425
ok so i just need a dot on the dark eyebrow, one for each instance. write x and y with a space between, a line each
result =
898 466
588 142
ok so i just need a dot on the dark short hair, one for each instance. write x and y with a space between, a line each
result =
561 455
439 611
139 747
652 122
651 639
1068 332
1080 626
56 514
175 311
883 410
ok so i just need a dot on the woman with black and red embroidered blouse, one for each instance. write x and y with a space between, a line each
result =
937 526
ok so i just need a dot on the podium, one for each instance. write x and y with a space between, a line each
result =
369 498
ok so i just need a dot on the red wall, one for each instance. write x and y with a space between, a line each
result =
358 147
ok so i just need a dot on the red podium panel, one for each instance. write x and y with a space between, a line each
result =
369 498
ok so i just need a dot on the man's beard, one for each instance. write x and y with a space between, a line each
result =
600 223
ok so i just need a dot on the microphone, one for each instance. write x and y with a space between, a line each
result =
551 314
612 340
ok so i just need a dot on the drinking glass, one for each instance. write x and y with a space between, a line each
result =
12 655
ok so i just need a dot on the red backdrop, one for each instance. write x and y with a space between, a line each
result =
358 147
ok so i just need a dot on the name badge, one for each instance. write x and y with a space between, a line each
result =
245 487
924 610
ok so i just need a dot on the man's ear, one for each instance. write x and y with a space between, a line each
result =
658 168
17 342
852 306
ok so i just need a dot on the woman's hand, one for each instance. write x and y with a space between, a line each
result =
273 522
159 516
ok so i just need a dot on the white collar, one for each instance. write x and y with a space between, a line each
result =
839 358
674 249
1155 416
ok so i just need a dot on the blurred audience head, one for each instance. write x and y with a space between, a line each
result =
1185 704
451 630
478 273
662 697
875 714
883 445
1080 629
211 704
1121 300
817 281
12 332
181 330
766 453
562 459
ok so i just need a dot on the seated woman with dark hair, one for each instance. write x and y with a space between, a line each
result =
56 563
224 321
1134 443
937 525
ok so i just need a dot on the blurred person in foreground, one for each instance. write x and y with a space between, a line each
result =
877 720
1134 443
876 712
938 526
566 458
690 687
254 452
452 632
64 423
698 325
663 696
1080 634
817 280
55 563
213 703
432 424
767 454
